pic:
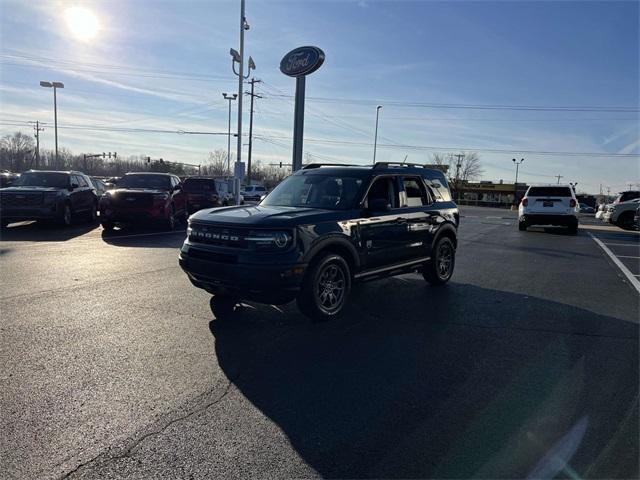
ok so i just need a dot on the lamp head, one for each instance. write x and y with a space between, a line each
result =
58 84
252 65
46 84
235 55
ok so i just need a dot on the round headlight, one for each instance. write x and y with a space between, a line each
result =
281 239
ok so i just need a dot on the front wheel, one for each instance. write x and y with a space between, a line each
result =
325 288
439 269
66 219
171 220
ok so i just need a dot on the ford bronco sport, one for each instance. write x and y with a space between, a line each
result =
322 229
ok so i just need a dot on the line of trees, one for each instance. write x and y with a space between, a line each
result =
18 153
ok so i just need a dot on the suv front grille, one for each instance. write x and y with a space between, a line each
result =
219 236
11 199
134 200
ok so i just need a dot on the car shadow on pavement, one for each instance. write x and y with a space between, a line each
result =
144 237
448 382
45 232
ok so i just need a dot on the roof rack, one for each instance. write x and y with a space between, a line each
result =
318 165
398 164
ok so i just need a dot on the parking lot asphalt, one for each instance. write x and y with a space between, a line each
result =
525 364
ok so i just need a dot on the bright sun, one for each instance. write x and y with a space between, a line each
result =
83 23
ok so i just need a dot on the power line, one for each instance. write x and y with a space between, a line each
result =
536 108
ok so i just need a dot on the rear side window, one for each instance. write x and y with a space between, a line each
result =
626 196
416 194
549 192
199 185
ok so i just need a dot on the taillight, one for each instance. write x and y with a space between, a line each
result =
525 202
572 203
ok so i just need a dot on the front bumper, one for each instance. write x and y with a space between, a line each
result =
549 219
19 214
121 215
222 271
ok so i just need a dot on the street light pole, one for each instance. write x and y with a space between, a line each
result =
55 86
375 140
229 98
239 58
515 185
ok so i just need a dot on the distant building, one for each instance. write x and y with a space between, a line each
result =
490 194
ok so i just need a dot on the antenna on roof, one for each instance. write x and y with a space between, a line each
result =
405 159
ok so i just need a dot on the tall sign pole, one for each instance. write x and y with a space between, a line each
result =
299 63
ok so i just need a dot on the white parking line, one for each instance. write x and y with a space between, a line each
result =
630 276
625 256
623 245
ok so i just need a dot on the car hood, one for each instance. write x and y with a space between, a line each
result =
266 217
124 191
30 189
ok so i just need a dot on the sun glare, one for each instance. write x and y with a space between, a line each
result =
83 23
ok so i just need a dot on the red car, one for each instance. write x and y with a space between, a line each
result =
144 198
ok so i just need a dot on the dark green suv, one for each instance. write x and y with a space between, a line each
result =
322 229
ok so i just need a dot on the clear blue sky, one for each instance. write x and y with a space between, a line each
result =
163 65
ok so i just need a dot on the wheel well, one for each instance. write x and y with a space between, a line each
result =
448 232
338 249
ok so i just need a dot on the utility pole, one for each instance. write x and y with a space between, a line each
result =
559 177
515 185
375 138
460 157
37 129
253 95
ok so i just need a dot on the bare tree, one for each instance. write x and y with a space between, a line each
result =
17 152
463 167
216 164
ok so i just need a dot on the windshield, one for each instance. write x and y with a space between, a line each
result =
315 191
199 185
157 182
43 179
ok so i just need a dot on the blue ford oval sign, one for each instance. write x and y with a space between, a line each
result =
302 61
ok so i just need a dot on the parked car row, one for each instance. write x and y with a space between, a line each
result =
135 198
623 211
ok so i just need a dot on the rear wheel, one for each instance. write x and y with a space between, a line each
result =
439 269
625 221
522 226
325 288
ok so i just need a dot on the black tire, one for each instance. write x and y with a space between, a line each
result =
325 288
93 213
67 216
171 219
108 226
522 226
223 306
625 221
439 269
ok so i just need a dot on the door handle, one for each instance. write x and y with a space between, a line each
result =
401 220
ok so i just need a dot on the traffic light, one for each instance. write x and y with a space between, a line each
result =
161 161
280 164
104 155
148 159
115 155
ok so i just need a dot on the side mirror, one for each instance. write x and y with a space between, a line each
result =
73 186
177 188
379 205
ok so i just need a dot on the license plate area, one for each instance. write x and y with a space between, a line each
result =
547 203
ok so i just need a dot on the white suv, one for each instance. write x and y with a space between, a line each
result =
549 205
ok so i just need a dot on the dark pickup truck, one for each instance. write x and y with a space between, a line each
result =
322 229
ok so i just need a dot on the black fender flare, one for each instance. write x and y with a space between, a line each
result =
332 243
446 229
